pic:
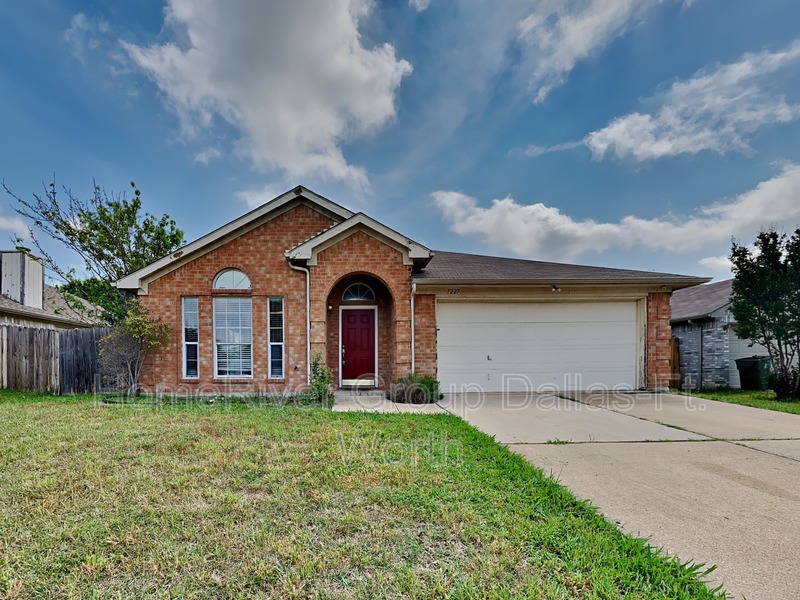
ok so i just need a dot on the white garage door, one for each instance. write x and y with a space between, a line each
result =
522 347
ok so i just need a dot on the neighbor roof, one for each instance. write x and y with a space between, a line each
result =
456 267
71 307
700 301
57 309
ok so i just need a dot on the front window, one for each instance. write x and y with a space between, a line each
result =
190 338
232 279
276 338
233 337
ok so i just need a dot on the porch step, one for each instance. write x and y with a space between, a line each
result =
372 400
365 393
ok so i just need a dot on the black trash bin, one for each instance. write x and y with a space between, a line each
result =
754 372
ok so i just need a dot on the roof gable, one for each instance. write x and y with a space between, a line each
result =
413 253
139 280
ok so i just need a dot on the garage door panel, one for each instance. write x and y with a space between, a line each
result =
586 312
526 346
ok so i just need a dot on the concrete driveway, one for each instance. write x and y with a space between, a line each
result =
708 481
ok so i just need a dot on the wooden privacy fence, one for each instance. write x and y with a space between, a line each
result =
62 361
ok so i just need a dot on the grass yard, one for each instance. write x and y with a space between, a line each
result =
217 501
750 398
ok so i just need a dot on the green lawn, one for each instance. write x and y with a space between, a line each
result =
749 398
217 501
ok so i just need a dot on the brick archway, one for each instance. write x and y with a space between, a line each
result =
384 302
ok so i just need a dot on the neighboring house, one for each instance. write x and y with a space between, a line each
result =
703 324
27 301
252 302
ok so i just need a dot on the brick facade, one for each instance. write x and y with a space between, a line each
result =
259 254
659 333
425 334
705 359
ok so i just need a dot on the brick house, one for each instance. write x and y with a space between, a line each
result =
252 302
708 345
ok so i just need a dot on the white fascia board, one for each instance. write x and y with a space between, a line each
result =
137 281
360 221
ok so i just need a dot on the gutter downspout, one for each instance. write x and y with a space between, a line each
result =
699 354
308 318
413 291
702 344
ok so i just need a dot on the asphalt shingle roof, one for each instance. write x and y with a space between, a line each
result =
700 301
56 307
456 266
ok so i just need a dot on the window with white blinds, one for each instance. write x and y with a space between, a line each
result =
233 337
190 338
276 338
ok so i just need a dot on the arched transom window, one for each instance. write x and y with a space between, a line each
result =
232 279
359 291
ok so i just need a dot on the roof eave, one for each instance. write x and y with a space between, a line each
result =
702 317
41 317
674 283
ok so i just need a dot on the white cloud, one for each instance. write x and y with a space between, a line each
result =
292 77
85 34
544 232
13 224
419 5
254 197
207 155
715 110
533 151
720 265
559 33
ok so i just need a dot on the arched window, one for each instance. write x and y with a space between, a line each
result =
359 291
232 279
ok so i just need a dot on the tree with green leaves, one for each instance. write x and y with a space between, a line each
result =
766 303
108 231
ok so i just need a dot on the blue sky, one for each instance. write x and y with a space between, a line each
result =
626 133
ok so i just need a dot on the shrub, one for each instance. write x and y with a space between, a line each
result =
319 386
786 387
123 351
413 389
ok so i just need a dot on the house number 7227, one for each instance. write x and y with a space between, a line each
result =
453 290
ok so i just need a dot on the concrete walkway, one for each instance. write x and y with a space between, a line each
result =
711 418
542 418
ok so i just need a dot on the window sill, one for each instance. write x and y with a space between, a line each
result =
233 379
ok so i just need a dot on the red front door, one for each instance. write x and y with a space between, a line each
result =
358 345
